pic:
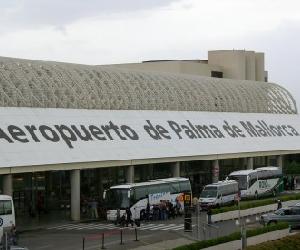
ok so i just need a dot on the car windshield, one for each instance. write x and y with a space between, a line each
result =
279 211
117 198
208 194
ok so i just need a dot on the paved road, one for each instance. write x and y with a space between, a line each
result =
69 236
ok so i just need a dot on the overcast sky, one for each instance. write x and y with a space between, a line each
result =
119 31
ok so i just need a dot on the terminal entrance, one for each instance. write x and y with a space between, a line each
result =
36 194
42 194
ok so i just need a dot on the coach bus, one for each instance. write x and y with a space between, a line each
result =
258 182
137 195
219 193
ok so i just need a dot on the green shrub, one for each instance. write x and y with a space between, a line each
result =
256 203
291 242
232 237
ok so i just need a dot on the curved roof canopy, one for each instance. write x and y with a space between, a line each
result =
26 83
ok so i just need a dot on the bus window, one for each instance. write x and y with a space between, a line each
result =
241 179
185 186
117 198
154 189
5 207
165 188
174 188
141 192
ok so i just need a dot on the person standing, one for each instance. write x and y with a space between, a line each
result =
279 204
118 217
209 213
94 209
129 215
148 211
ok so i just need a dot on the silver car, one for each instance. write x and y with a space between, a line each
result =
288 214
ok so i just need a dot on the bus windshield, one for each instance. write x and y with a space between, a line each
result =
117 198
241 179
209 192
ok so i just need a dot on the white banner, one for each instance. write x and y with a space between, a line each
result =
49 136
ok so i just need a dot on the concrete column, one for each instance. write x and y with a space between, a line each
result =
176 169
130 174
75 194
250 161
7 184
215 171
279 159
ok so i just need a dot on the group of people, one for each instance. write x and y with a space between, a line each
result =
125 219
90 208
162 211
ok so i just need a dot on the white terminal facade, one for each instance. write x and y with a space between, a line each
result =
69 131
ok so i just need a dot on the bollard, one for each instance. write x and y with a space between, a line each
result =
136 239
6 241
102 247
121 234
83 240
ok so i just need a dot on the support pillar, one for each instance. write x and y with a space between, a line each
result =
176 169
250 161
75 194
7 184
279 160
215 171
130 174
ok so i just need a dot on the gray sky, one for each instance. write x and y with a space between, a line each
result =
118 31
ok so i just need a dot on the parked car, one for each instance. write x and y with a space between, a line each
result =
289 214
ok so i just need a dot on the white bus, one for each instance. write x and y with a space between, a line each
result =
219 193
136 196
7 214
258 182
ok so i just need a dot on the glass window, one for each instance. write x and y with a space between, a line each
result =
165 188
241 179
175 188
141 192
5 207
185 186
209 193
117 198
153 189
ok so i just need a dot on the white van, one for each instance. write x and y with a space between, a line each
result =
7 214
219 193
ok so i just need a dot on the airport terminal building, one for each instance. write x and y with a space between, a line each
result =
69 131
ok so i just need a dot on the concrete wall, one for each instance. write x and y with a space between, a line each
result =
260 72
239 64
235 64
185 67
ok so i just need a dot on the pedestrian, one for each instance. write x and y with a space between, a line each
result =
195 202
128 215
123 220
279 204
148 211
209 215
118 217
94 209
155 212
13 235
178 207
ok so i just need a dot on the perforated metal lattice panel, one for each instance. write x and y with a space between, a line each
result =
26 83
